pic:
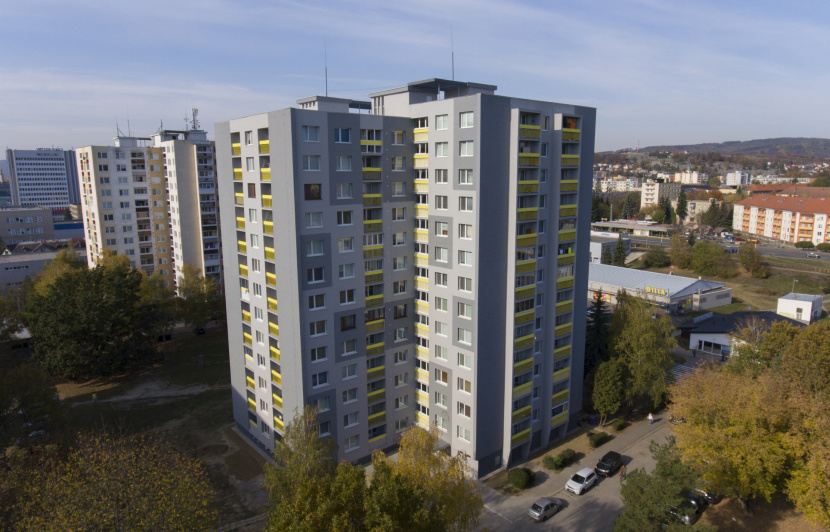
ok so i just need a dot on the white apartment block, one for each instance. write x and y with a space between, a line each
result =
653 190
45 177
789 219
619 185
691 178
409 260
738 179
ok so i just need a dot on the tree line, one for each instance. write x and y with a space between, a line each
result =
706 258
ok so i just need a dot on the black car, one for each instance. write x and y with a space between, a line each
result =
609 464
707 495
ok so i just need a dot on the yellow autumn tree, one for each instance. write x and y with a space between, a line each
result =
136 483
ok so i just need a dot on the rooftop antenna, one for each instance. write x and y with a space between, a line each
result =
195 112
452 51
326 65
186 121
118 132
129 131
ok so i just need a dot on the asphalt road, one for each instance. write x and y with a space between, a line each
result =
594 510
763 249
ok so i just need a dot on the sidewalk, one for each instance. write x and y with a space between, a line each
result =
513 508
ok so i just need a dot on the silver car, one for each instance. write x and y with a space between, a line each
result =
581 481
544 508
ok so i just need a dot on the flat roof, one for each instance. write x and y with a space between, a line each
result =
434 85
792 296
724 323
638 280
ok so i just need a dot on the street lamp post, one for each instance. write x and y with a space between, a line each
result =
794 281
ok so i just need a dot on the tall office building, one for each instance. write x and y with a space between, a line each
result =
46 177
154 200
409 260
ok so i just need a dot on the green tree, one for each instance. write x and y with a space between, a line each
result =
680 252
599 209
160 303
692 238
28 405
596 334
760 346
607 255
644 344
90 322
706 258
118 484
65 261
668 213
619 252
629 207
682 207
821 181
751 261
201 297
656 257
608 394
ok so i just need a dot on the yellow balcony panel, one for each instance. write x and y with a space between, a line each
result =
526 266
247 338
264 146
423 420
276 378
249 357
422 351
421 185
278 424
565 328
243 270
375 349
561 352
251 404
371 174
421 259
558 420
275 353
568 185
377 395
277 400
523 389
268 227
372 251
521 413
372 200
528 159
524 341
421 397
567 210
273 328
570 160
558 398
249 381
564 306
565 259
265 174
371 143
272 304
569 234
527 213
372 226
246 316
526 240
266 201
420 163
236 148
240 223
238 199
422 375
421 284
376 373
373 277
524 293
421 306
528 187
529 132
421 156
374 301
420 135
237 174
565 282
242 246
524 365
526 316
252 423
375 326
420 328
520 438
421 211
561 374
570 134
271 279
377 419
269 253
377 438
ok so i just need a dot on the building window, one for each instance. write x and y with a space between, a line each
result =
465 284
311 162
441 175
313 191
441 254
349 371
442 149
343 191
464 385
398 214
401 334
441 203
442 121
347 323
398 263
440 279
314 219
316 275
351 443
399 287
440 303
317 328
342 135
249 164
349 347
349 395
344 217
318 354
465 231
465 336
441 376
466 119
465 258
343 163
314 247
465 361
462 433
400 357
399 137
442 229
311 134
345 271
544 150
465 176
401 402
465 148
441 328
398 189
320 379
317 301
398 163
465 310
350 419
465 204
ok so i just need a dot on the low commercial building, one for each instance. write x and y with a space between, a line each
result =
669 292
600 241
711 334
636 227
29 258
24 224
805 308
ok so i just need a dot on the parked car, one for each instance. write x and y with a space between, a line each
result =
609 464
544 508
813 255
708 495
738 239
581 481
685 515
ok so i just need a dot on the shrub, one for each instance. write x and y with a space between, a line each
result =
568 455
597 439
619 424
521 477
805 245
824 246
552 462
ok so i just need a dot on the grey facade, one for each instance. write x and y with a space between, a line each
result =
25 224
445 297
45 176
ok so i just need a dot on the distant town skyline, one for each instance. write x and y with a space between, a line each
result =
658 73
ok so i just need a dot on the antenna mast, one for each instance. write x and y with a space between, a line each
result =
195 120
452 51
326 65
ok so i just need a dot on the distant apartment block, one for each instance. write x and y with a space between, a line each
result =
694 208
409 260
691 178
25 224
46 176
653 190
789 219
738 179
619 185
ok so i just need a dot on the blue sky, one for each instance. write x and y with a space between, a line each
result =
658 72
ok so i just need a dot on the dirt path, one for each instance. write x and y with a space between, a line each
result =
158 389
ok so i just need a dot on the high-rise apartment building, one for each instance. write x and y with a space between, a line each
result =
46 177
409 260
654 190
154 200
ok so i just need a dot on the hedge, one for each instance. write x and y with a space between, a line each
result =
521 477
598 439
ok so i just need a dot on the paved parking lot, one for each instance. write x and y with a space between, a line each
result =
597 508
